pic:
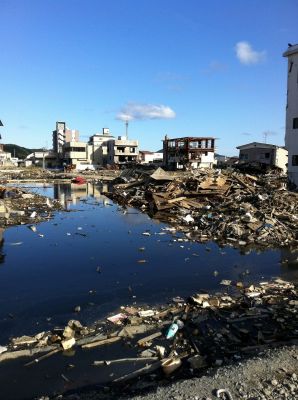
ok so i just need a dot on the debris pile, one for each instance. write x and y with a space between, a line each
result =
223 206
17 206
25 173
206 330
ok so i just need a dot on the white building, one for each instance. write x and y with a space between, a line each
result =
98 147
291 139
76 154
150 157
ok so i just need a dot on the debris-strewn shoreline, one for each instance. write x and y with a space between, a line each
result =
206 332
181 340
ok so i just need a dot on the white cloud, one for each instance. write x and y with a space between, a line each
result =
145 111
247 55
246 134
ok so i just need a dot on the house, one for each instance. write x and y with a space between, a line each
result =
188 152
264 154
122 150
291 137
5 157
150 157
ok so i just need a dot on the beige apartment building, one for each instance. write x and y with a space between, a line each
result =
123 150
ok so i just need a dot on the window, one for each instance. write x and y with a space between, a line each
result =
181 144
171 143
295 160
79 149
193 145
243 156
132 150
295 123
267 155
291 66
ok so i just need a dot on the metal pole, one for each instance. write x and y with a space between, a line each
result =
43 158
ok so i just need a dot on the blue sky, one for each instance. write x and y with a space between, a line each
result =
175 67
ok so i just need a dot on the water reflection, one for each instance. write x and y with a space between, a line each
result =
2 255
289 264
72 193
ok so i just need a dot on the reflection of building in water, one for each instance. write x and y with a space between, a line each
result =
2 256
289 264
72 192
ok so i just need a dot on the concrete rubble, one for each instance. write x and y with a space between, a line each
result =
224 206
211 330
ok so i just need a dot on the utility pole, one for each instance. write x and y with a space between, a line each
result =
1 125
43 158
126 129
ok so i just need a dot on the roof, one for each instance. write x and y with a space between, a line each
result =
191 138
260 145
146 152
292 49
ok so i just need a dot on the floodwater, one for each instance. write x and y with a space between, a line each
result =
89 256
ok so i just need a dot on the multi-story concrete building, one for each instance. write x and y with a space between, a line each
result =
188 152
291 138
98 147
62 135
122 150
76 154
264 154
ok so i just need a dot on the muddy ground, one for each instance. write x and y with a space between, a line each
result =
270 375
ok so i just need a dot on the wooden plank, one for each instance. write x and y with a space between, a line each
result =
149 338
145 370
123 360
101 342
177 199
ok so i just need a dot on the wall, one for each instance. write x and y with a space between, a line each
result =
291 138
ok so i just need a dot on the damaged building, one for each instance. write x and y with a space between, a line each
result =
188 152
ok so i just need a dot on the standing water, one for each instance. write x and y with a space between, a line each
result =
99 256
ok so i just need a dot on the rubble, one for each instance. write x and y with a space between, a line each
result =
207 330
224 206
19 207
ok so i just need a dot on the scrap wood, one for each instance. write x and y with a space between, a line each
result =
36 360
177 199
130 184
101 342
191 203
248 187
142 371
123 360
149 338
11 355
161 203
